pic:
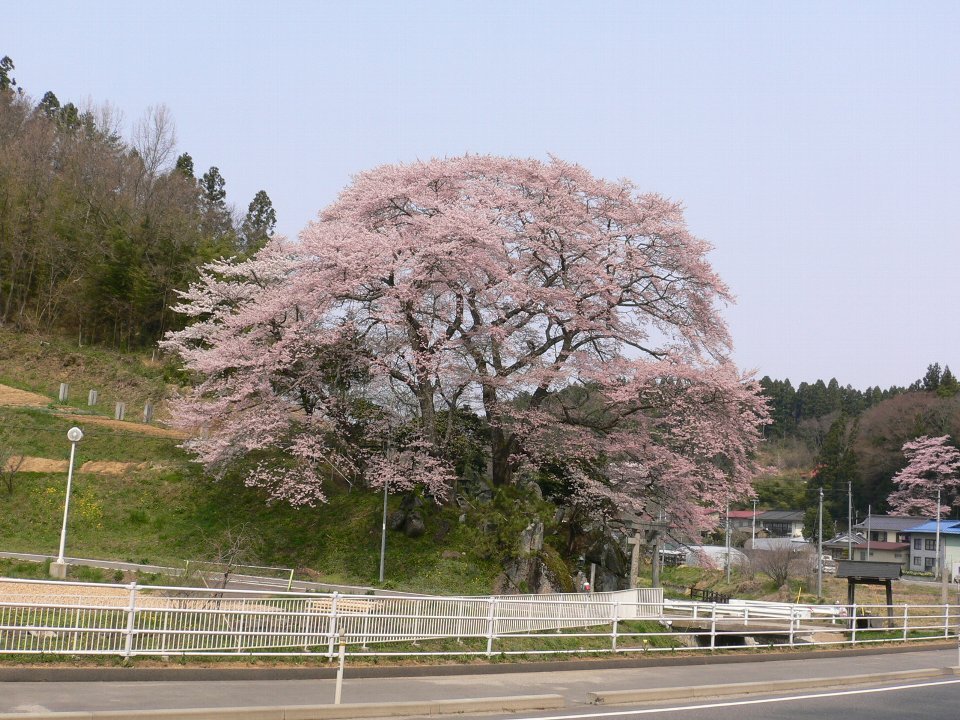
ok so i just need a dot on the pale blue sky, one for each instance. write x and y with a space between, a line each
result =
815 144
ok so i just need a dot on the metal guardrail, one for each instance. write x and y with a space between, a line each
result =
68 618
38 616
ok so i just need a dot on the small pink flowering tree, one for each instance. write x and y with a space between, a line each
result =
932 464
577 317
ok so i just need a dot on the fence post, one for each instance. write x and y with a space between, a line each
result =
616 620
92 397
332 627
64 392
713 628
131 614
459 622
490 620
119 411
853 624
242 625
946 620
793 614
906 620
163 633
343 654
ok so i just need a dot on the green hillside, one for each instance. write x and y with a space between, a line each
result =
160 508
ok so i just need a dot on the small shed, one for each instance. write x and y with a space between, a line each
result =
869 572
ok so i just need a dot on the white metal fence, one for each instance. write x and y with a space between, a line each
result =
96 619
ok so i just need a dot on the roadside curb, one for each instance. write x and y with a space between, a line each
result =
45 673
318 712
620 697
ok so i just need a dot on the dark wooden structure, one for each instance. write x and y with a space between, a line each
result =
869 572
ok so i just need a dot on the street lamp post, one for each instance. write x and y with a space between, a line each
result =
58 568
383 531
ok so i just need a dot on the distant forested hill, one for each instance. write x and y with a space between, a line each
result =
98 230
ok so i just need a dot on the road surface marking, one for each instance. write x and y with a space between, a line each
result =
733 703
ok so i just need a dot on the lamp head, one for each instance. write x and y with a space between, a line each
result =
74 435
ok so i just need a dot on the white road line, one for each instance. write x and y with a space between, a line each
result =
733 703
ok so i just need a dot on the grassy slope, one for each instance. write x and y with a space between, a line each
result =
39 363
165 511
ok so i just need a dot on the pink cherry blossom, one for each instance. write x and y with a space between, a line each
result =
579 317
932 463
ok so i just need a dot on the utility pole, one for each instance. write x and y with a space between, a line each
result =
937 546
820 546
728 542
849 520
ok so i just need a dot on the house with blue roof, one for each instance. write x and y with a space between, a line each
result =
923 546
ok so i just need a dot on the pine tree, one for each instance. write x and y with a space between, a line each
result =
836 466
949 386
185 165
259 224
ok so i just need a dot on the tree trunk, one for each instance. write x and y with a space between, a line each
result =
501 447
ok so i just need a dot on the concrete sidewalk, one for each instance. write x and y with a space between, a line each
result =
573 686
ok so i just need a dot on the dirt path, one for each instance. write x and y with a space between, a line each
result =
26 463
12 397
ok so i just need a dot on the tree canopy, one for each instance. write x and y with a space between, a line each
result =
932 464
577 317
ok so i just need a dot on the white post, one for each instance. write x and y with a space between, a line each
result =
906 620
713 628
946 620
490 621
332 627
131 619
616 620
343 655
793 614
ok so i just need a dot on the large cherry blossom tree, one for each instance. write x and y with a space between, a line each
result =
578 317
932 464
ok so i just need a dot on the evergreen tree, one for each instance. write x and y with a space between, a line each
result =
259 224
811 526
7 81
213 188
215 222
49 105
185 166
836 466
931 379
949 386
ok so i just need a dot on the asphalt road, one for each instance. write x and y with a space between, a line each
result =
930 700
574 685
